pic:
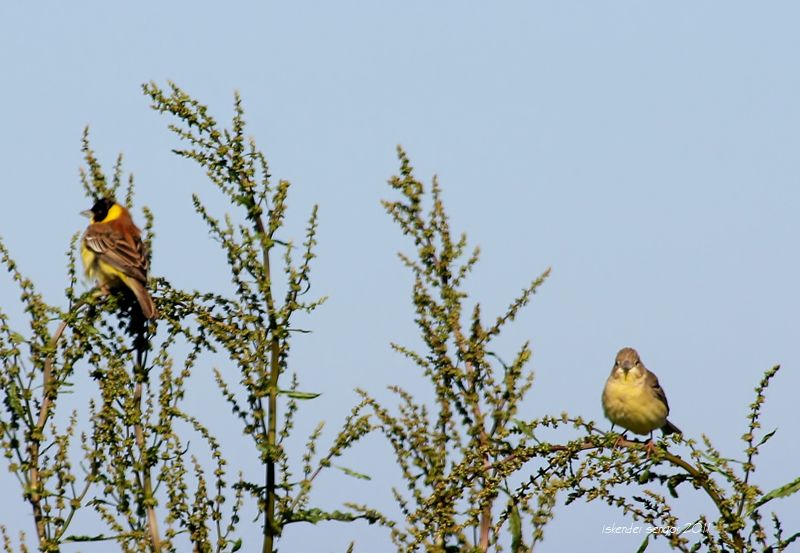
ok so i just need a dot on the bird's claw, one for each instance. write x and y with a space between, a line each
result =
619 440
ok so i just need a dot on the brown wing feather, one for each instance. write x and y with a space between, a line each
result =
125 253
652 381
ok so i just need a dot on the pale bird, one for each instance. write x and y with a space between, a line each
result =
633 398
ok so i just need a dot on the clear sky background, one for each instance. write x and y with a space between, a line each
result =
647 152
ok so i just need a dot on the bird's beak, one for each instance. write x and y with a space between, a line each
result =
87 213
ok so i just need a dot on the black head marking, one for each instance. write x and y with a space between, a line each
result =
100 209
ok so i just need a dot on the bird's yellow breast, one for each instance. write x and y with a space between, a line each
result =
633 405
88 257
97 269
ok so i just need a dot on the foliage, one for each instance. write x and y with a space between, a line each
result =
625 475
449 457
153 477
253 327
134 465
468 454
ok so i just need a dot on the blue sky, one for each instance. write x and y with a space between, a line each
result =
647 152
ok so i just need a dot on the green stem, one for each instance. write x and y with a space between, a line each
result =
269 516
270 525
698 476
147 482
37 435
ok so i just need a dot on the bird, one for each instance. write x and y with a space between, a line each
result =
113 253
633 398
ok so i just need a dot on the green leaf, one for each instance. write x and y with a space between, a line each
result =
674 481
315 515
98 537
237 545
17 338
294 394
783 491
644 545
515 525
524 428
766 437
90 330
715 459
354 474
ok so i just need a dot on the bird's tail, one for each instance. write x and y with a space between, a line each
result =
143 297
670 428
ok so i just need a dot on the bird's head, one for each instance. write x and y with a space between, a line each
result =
628 363
103 210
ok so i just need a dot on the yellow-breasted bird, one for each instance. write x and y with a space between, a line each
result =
113 252
633 398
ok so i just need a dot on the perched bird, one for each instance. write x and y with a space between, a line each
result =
113 252
633 398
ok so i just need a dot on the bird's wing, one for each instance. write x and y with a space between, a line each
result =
126 254
652 381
